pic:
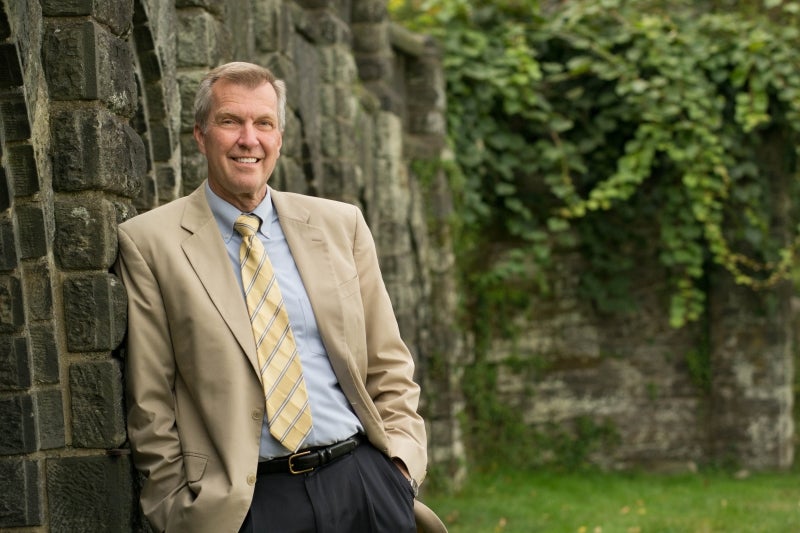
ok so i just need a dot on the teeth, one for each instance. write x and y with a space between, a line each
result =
246 159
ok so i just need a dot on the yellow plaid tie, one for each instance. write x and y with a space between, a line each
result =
288 412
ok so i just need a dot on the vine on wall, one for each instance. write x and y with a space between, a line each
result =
614 120
608 127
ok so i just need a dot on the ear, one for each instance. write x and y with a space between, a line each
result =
200 138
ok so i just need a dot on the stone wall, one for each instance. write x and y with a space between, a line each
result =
95 126
634 392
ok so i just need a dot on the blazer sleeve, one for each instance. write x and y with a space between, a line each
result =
149 378
390 368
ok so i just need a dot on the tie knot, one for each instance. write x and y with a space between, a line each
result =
247 225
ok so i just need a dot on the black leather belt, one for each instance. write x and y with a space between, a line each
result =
309 459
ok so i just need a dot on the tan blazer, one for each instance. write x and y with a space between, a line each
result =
195 405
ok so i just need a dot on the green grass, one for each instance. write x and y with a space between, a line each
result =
527 502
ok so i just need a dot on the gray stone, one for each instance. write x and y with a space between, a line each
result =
49 410
12 304
8 245
90 494
116 14
5 193
95 311
199 39
14 125
20 493
10 71
38 290
84 61
15 366
21 164
44 350
95 150
17 418
32 231
96 391
86 233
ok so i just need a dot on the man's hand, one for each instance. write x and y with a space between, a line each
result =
402 466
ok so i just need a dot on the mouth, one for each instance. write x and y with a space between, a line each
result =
246 160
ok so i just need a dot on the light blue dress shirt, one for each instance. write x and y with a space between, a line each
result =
333 419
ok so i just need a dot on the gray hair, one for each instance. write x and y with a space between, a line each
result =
240 73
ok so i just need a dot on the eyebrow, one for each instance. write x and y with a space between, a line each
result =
230 114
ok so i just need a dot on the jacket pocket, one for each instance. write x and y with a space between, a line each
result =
350 287
195 466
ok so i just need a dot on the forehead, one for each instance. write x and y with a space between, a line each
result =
228 96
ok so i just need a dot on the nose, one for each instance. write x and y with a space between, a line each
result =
247 135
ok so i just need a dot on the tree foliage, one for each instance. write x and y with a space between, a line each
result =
619 121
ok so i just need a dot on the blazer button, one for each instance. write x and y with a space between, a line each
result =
251 479
256 414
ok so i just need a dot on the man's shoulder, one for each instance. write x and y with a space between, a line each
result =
307 200
162 216
319 209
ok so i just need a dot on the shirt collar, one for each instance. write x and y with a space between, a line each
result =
226 214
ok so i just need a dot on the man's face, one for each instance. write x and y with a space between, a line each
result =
242 142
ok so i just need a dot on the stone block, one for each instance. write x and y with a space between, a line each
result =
188 83
117 14
369 11
32 231
10 71
18 420
90 494
8 245
274 22
20 493
14 124
98 419
193 164
323 28
83 61
22 167
15 363
95 150
44 350
371 38
5 192
338 67
167 181
161 140
49 409
5 28
374 67
117 75
95 312
70 61
200 39
38 291
86 233
12 314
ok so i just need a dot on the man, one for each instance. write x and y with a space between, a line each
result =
218 451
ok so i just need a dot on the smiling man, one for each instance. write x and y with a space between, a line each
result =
268 387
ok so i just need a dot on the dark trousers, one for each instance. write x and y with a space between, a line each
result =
361 492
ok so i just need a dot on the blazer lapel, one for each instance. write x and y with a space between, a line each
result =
311 255
207 254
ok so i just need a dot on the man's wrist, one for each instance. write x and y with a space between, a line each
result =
404 470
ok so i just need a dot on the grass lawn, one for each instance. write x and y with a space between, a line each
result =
593 502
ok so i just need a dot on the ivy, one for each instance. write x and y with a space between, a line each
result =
618 121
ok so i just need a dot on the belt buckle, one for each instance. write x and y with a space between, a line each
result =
295 456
